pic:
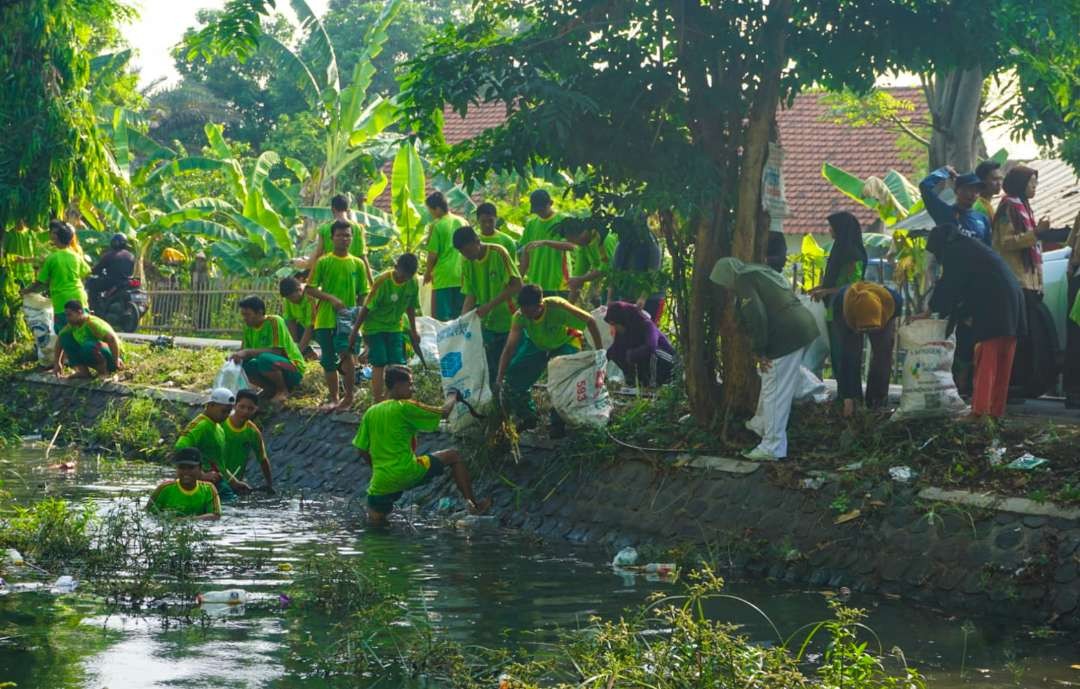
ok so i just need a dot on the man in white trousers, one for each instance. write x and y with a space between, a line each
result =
779 328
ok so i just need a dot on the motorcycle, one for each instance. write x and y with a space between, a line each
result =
122 306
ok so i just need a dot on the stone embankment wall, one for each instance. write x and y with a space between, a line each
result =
954 550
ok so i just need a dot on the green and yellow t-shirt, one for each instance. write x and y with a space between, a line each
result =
172 498
239 444
547 267
302 312
550 330
388 302
485 278
357 248
447 271
19 243
343 277
206 435
502 239
386 433
93 329
595 255
273 334
63 272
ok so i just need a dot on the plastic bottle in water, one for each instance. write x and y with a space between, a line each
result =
14 557
64 584
228 597
627 557
474 521
661 568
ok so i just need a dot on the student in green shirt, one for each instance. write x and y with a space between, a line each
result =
591 261
542 264
242 438
340 283
386 439
443 263
205 433
18 248
299 314
489 281
394 295
324 239
62 274
540 331
186 495
488 220
88 342
270 357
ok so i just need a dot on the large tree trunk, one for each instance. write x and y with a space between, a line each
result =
955 100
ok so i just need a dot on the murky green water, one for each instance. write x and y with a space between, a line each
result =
490 588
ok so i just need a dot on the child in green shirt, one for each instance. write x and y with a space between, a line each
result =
394 295
324 239
489 281
386 438
88 342
62 273
186 495
339 282
543 251
443 263
205 433
299 314
488 220
270 357
546 323
242 438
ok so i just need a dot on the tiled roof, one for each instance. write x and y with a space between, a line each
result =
810 138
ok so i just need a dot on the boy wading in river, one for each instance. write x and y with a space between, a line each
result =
206 434
186 495
386 439
242 438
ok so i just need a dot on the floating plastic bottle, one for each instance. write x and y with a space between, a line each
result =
228 597
14 557
474 521
660 568
65 584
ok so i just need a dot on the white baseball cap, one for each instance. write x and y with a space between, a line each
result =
222 396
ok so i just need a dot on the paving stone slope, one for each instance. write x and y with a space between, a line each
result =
948 549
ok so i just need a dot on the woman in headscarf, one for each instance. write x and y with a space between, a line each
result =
845 266
871 310
645 356
779 328
978 287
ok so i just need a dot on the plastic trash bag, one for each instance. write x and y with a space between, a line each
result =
38 311
463 365
578 390
428 328
817 351
810 388
232 377
607 338
929 389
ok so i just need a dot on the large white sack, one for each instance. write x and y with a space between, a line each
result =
38 310
607 338
817 351
576 384
428 328
464 366
929 389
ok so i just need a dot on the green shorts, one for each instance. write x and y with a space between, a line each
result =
384 504
332 344
385 349
86 354
266 362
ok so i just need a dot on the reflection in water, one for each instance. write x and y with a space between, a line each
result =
489 588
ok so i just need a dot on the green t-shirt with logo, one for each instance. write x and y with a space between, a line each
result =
590 257
485 279
273 334
240 443
502 239
93 329
547 267
386 432
343 277
549 332
447 271
172 498
358 246
388 302
302 312
207 436
63 272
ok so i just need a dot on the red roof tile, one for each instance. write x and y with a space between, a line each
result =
810 138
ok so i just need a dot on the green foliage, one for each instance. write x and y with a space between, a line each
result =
52 533
132 426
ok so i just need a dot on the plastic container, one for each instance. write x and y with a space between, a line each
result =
226 597
474 521
661 568
65 584
14 557
627 557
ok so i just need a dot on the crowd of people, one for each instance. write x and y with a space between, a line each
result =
529 295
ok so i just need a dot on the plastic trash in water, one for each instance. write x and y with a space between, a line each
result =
661 568
365 372
226 597
902 474
65 584
474 521
813 483
995 454
31 438
445 504
627 557
3 587
14 557
1027 462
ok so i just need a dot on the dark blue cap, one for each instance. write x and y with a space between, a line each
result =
968 180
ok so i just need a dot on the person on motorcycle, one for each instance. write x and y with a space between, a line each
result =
113 269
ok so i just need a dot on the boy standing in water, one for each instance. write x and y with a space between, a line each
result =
186 495
205 434
242 438
386 439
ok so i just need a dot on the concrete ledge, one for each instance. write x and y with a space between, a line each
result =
186 342
164 394
999 503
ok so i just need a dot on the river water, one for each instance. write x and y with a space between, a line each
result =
485 587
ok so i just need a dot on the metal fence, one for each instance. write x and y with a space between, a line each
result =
205 307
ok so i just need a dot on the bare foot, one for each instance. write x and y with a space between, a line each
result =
480 506
345 404
329 406
79 375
